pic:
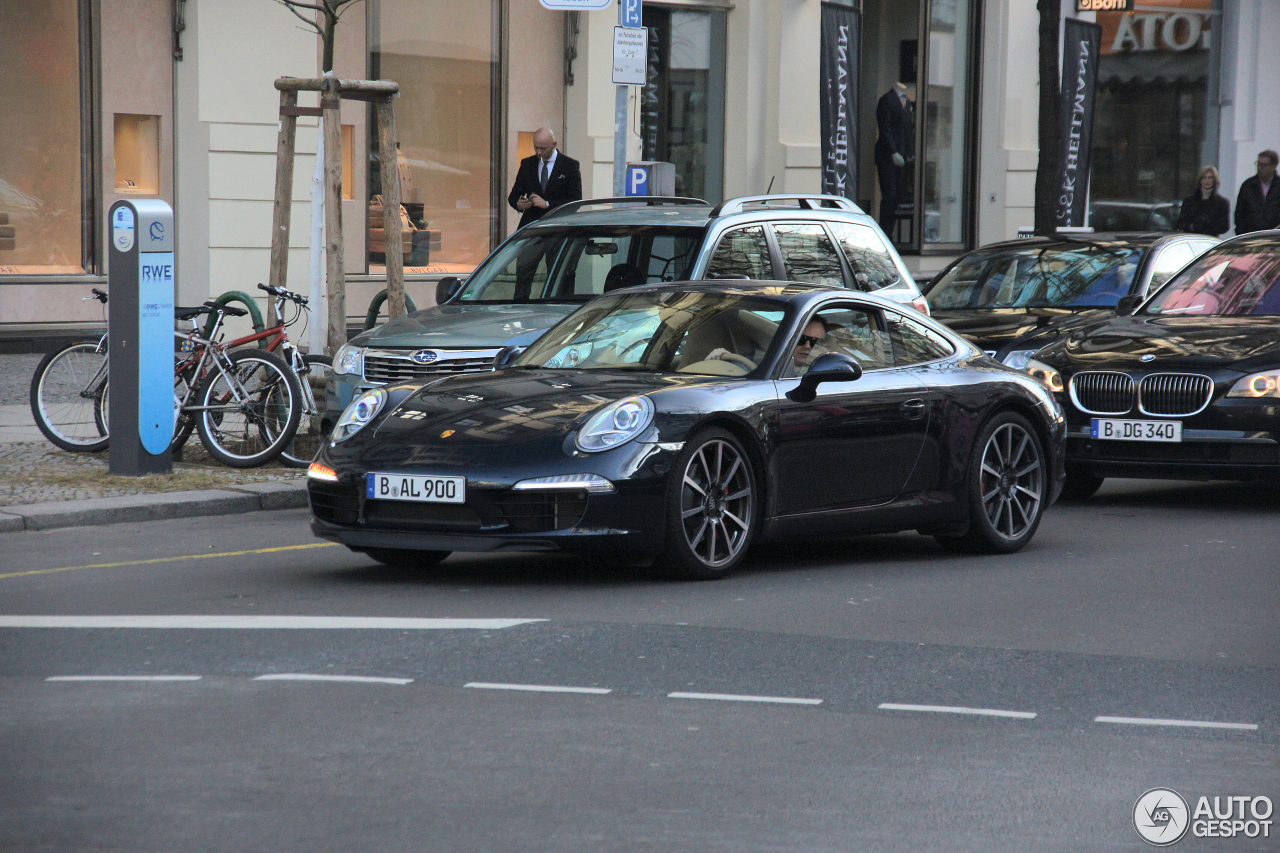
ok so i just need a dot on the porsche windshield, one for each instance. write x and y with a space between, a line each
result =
576 263
1238 279
682 332
1072 276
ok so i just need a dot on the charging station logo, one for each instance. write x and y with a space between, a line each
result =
1161 816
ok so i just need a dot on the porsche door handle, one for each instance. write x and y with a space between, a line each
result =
913 409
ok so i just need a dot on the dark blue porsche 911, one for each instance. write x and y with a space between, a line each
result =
684 421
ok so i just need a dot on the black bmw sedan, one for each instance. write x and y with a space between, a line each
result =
684 421
1186 387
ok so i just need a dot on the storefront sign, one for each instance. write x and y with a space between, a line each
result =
1081 40
839 104
1104 5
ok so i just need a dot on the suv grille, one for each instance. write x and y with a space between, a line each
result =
1178 394
1103 392
398 365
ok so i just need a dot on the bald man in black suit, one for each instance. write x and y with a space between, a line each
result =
547 179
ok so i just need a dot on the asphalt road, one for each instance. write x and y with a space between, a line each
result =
875 694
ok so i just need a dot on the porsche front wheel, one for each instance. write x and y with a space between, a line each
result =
712 507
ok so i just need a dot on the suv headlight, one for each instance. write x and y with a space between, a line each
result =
363 408
1018 358
1264 384
615 424
1046 374
349 359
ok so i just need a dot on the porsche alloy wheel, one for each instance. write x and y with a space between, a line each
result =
713 507
1007 480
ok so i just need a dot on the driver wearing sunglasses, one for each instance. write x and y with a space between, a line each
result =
814 332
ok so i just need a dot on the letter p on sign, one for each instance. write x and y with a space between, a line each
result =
637 180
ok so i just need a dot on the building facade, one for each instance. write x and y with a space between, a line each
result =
174 99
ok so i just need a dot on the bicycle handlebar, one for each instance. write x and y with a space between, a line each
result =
283 294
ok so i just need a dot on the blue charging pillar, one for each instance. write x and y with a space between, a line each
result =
140 275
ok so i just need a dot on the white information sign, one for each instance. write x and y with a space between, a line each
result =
577 4
630 56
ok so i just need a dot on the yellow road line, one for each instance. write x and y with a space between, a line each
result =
170 559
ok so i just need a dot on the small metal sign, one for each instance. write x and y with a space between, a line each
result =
1104 5
630 56
573 5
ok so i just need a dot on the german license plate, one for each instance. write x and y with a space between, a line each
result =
1125 430
408 487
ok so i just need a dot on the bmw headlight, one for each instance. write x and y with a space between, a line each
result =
349 359
1018 358
1046 374
615 424
363 408
1257 385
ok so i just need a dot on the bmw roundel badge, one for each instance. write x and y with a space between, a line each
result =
425 356
1146 357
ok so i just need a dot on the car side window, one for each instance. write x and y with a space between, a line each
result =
915 343
867 255
1169 261
741 252
853 331
807 253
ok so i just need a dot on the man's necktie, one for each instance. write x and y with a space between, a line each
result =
543 180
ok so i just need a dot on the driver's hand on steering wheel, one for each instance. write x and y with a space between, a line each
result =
722 354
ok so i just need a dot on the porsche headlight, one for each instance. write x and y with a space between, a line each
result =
1046 374
1257 385
1018 358
615 424
363 408
349 359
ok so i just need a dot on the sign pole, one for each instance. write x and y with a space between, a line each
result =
620 124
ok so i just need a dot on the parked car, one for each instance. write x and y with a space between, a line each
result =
582 249
1013 298
685 421
1133 215
1188 386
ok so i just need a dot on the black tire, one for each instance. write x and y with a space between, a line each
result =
1007 483
398 558
713 507
1080 485
243 433
310 435
66 393
183 423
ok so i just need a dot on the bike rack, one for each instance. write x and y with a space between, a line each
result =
371 318
255 313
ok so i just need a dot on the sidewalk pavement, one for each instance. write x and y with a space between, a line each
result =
44 487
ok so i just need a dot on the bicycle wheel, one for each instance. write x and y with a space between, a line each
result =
307 440
183 423
245 416
65 390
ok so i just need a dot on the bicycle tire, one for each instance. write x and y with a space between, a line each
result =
63 404
307 440
183 423
249 431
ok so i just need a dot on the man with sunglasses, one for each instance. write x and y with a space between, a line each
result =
814 331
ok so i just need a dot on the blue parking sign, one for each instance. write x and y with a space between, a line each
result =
637 180
630 13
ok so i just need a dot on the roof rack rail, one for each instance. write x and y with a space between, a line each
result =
803 201
648 200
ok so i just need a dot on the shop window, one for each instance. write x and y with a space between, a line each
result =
42 147
444 56
137 147
682 106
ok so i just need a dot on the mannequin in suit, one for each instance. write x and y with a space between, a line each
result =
545 180
895 148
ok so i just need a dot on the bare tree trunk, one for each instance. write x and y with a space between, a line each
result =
1050 163
394 237
335 274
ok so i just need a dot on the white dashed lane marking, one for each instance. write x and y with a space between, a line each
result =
731 697
262 622
353 679
947 709
1197 724
124 678
538 688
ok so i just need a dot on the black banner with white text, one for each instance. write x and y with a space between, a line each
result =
1081 41
839 107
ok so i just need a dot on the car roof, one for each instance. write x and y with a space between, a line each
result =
690 212
1133 239
799 293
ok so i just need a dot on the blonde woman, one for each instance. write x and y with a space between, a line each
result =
1205 211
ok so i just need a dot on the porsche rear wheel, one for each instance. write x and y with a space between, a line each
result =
1007 485
712 507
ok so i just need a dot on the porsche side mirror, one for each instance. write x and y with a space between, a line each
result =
505 356
1126 305
447 288
828 367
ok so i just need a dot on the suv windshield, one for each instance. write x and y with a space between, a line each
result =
1078 276
683 332
574 264
1241 279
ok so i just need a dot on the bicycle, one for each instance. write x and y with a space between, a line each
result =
311 369
67 389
